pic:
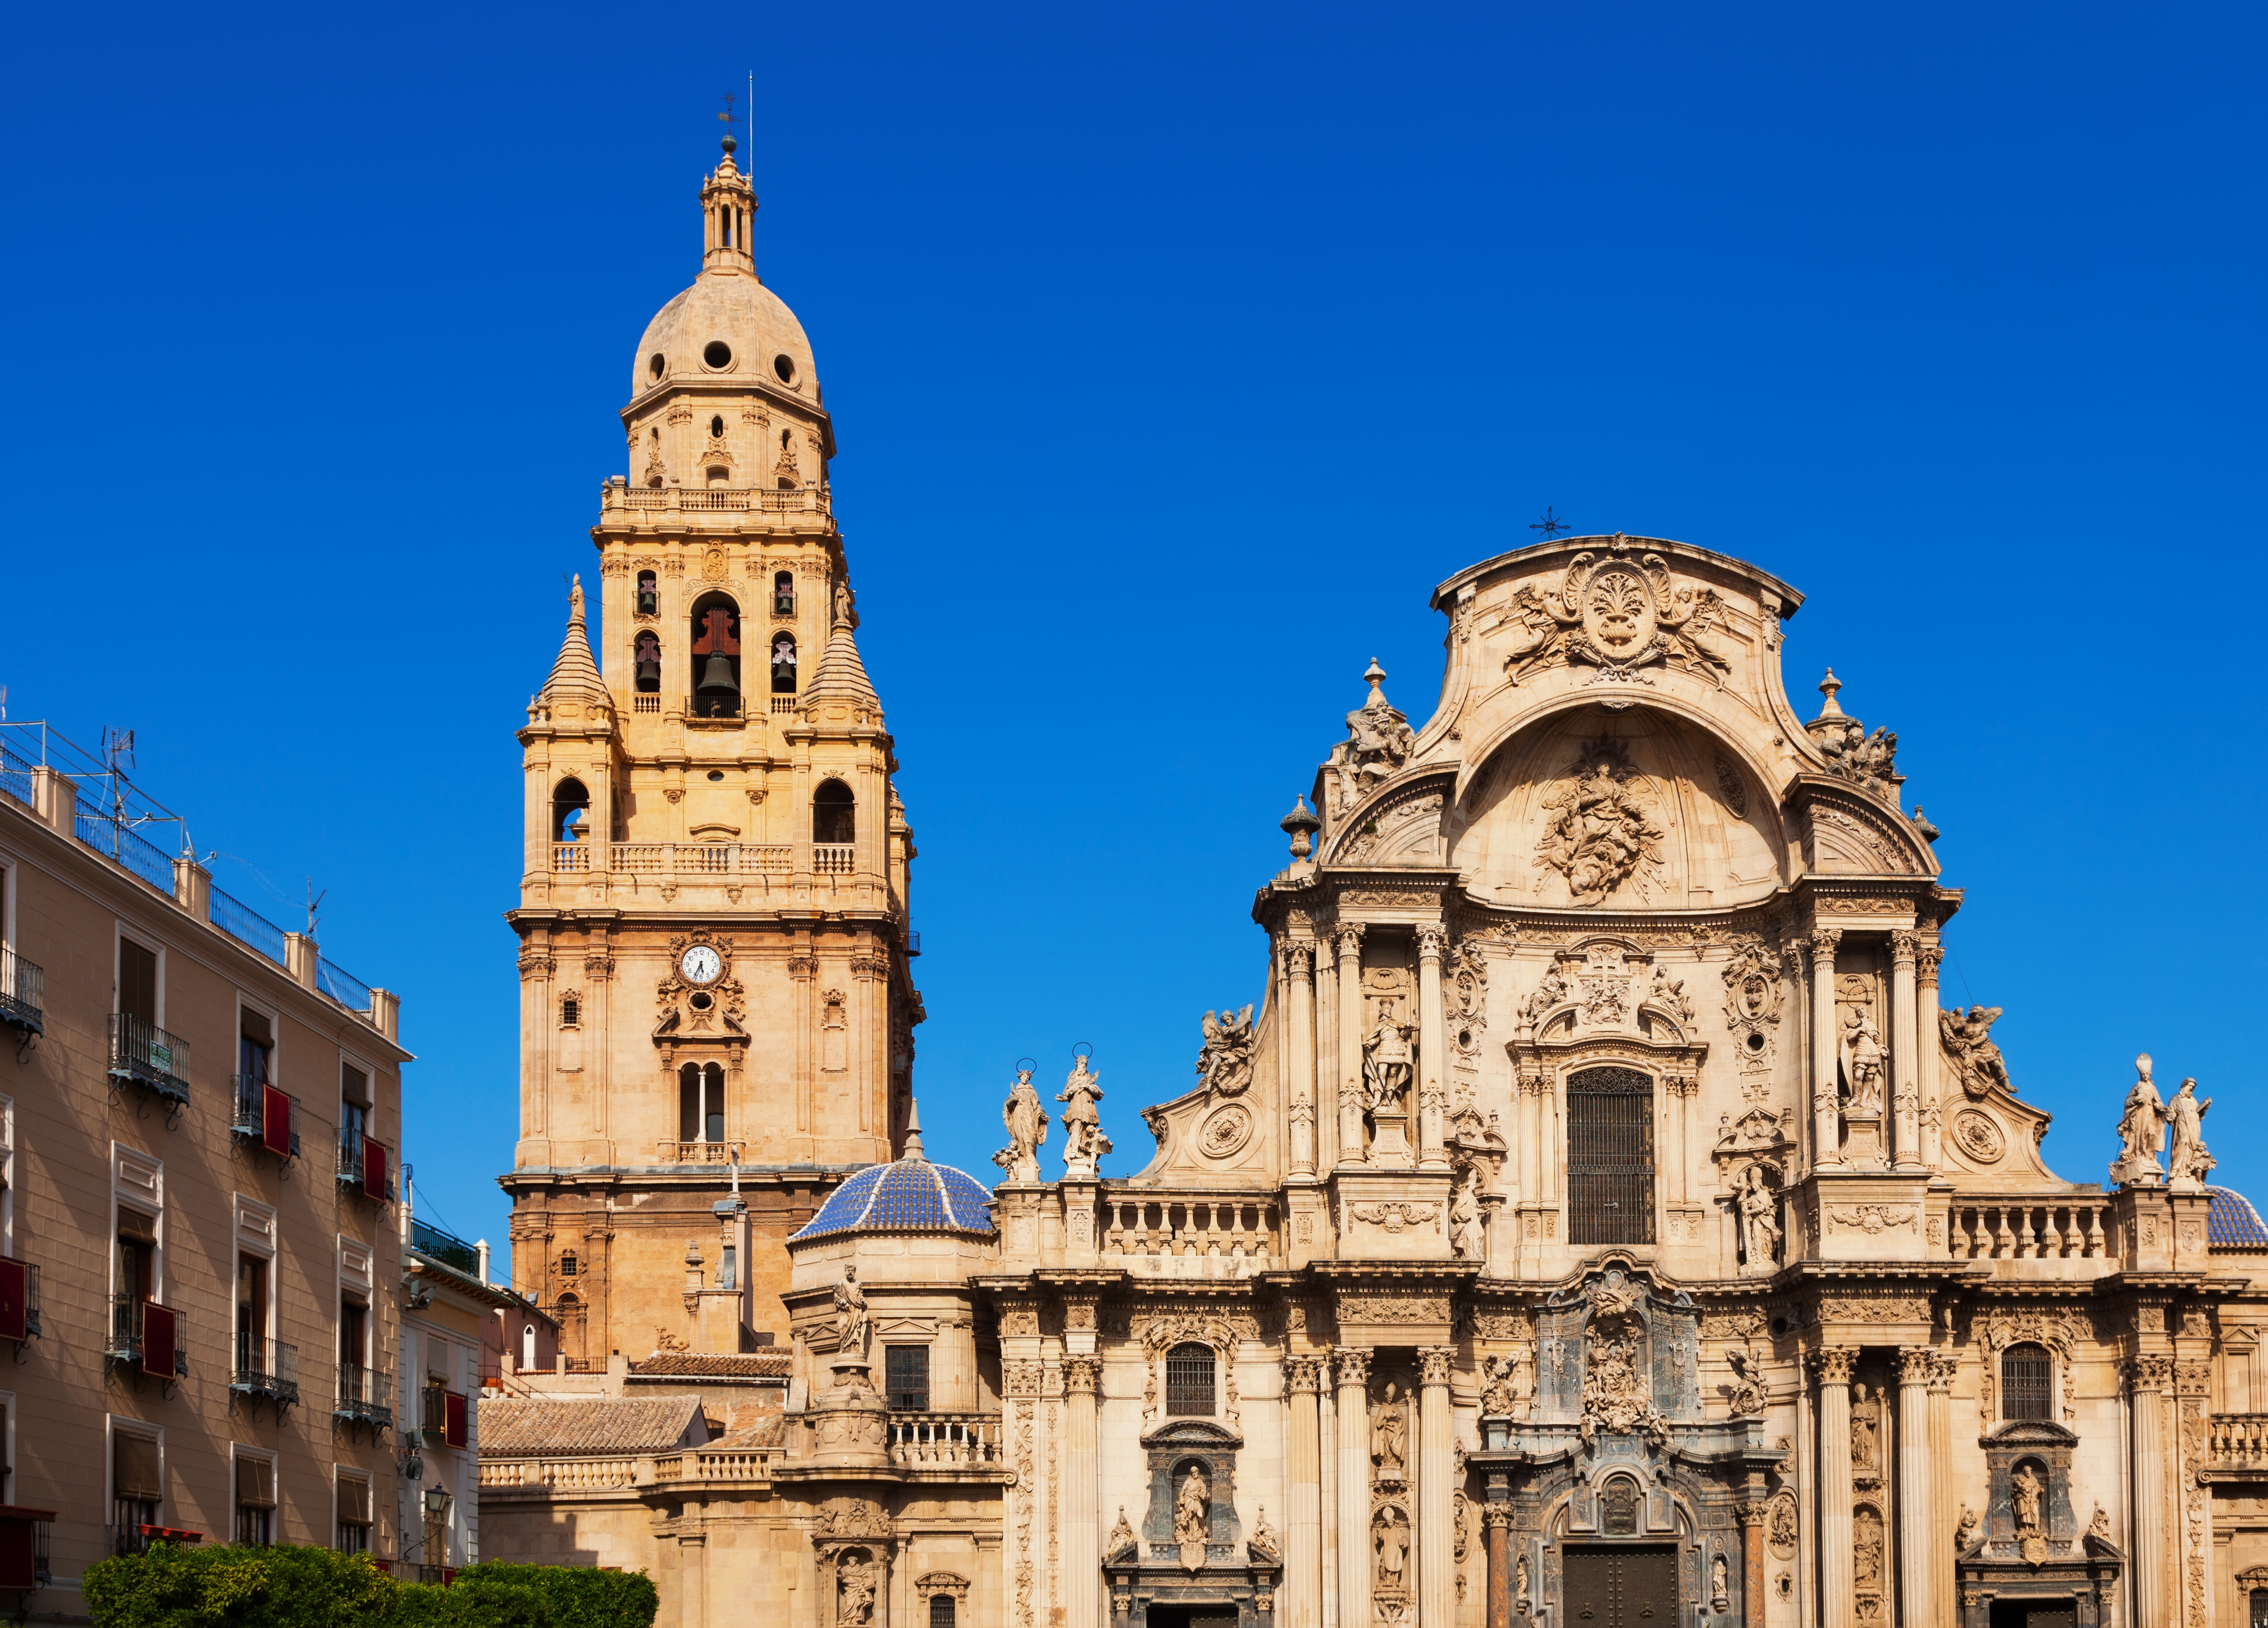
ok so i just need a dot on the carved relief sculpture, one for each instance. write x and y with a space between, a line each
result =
1598 836
1225 1060
1617 616
1867 1548
1027 1120
1499 1397
1976 1062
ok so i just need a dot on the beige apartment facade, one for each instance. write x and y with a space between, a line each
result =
1595 1217
200 1118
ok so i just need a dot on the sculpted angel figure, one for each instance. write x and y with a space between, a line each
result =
2024 1489
1225 1060
2142 1127
1190 1505
1385 1060
1390 1433
1028 1130
1757 1212
1378 739
2184 1116
1967 1039
1083 1140
1862 1060
850 1322
1465 1216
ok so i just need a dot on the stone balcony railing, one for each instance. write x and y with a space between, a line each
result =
2237 1441
2046 1227
946 1440
805 500
536 1478
682 859
1190 1235
711 1464
669 1150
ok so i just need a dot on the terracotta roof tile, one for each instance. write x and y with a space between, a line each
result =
517 1427
705 1365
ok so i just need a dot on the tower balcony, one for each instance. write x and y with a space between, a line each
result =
799 506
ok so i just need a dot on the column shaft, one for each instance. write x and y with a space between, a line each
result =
1327 1505
1327 1058
2150 1553
1499 1567
1433 1046
1941 1511
1925 1016
1836 1604
1905 1054
1303 1548
1351 1148
1354 1487
1298 964
1826 1118
1437 1582
1916 1540
1082 1543
1752 1567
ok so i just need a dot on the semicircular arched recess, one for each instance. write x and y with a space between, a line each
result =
1628 809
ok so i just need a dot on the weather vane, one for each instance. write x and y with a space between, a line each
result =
1550 525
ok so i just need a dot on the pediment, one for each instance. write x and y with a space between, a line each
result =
2040 1434
1402 825
1196 1434
1848 833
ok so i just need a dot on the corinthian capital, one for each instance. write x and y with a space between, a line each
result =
1433 939
1832 1366
1082 1375
2150 1375
1904 946
1301 1375
1353 1364
1433 1364
1346 938
1824 942
1298 958
1916 1365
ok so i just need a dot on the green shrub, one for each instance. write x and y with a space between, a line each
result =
292 1587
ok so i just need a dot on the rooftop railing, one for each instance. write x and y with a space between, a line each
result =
446 1248
247 926
116 840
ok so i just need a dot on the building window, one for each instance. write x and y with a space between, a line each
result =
783 594
571 1012
138 983
783 665
252 1356
834 813
354 1515
701 1103
354 1349
567 1264
1189 1382
571 811
648 598
2027 1383
940 1611
905 1371
137 1488
1609 1156
716 656
256 1501
647 654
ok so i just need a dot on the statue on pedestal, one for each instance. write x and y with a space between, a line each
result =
2187 1160
1028 1130
1083 1140
2142 1129
1386 1061
851 1321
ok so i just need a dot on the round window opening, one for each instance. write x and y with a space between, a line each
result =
655 364
1755 1042
716 773
783 365
701 1000
719 354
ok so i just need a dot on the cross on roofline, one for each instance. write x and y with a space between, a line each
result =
1550 525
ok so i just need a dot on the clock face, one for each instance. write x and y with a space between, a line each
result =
700 964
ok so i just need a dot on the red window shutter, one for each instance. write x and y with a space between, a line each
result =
15 1304
455 1435
19 1558
374 1168
158 1350
276 1122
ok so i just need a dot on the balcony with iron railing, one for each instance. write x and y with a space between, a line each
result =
23 1536
149 1336
22 993
363 1396
263 1116
365 1167
267 1370
19 1301
144 1055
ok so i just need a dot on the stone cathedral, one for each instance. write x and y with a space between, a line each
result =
1594 1218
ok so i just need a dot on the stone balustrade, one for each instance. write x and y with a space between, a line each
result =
2237 1441
1187 1236
944 1440
2018 1227
542 1477
721 499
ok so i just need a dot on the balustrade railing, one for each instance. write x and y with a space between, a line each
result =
802 499
676 859
676 1153
2237 1441
1189 1228
2025 1228
944 1440
834 859
558 1474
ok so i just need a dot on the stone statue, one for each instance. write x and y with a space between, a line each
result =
1191 1508
1390 1435
1261 1539
2025 1488
856 1607
1551 992
1867 1550
1965 1535
1862 1061
1385 1061
1393 1545
1750 1394
1028 1130
1720 1585
1670 994
1378 743
2141 1128
1755 1211
2187 1160
1499 1399
1121 1538
1225 1060
851 1323
2099 1528
1865 1427
1465 1216
1083 1140
1969 1045
1519 1578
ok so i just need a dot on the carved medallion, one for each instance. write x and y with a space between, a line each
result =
1226 1131
1979 1136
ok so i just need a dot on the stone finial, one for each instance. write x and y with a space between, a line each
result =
1828 686
913 1149
1302 825
1374 675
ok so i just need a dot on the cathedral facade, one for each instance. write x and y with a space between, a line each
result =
1594 1218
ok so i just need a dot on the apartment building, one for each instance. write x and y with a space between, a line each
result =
201 1273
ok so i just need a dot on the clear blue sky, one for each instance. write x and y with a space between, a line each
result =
1176 353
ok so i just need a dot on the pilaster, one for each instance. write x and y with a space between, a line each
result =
1826 1121
1299 968
1917 1553
1905 1054
1433 1044
1830 1372
1352 1366
1347 939
1303 1540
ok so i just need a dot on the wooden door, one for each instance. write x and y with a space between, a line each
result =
1622 1586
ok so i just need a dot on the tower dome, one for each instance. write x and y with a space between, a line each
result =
908 1196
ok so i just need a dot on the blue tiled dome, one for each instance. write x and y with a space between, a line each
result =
2232 1222
911 1196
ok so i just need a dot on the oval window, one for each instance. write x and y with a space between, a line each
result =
719 354
783 365
654 365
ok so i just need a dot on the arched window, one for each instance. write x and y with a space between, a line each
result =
783 594
783 664
648 596
1189 1382
2027 1383
716 657
648 649
527 1344
570 811
701 1102
833 814
1609 1156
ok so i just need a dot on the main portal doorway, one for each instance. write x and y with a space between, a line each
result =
1622 1584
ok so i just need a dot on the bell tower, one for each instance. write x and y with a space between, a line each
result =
716 1007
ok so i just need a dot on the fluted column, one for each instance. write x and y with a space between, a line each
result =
1437 1582
1298 967
1303 1545
1826 1119
1327 1058
1832 1367
1433 1047
2151 1553
1917 1541
1941 1371
1327 1504
1926 1079
1496 1518
1348 940
1082 1543
1353 1368
1905 1053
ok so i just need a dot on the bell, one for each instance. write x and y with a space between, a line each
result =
718 676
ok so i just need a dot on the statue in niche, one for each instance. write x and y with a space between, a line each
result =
1390 1435
1520 1579
1028 1130
856 1607
1392 1543
1866 1428
1862 1061
2141 1128
1225 1060
1385 1060
1192 1507
1969 1043
1465 1216
2025 1492
1721 1584
2187 1159
851 1321
1755 1215
1083 1140
1867 1550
